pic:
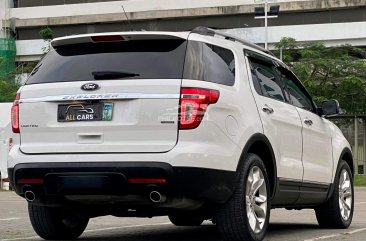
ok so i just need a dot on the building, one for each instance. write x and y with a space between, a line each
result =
331 21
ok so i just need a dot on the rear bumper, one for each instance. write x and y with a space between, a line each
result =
115 178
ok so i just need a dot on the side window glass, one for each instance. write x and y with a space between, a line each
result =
209 63
266 80
219 65
298 97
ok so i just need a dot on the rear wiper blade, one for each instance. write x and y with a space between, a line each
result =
100 75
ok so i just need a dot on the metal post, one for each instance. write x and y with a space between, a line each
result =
355 154
7 30
266 24
281 53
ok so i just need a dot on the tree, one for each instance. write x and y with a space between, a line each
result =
329 72
8 90
8 87
47 35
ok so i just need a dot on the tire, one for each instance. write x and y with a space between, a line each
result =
185 220
337 212
233 220
53 224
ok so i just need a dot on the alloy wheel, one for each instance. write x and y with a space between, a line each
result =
256 199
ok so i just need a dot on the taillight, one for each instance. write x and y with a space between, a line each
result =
193 105
15 114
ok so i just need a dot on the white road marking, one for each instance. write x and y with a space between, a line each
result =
8 219
324 237
361 203
356 231
95 230
26 238
336 235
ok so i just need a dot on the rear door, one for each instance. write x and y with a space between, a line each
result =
281 121
104 95
317 141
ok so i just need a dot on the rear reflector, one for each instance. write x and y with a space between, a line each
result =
31 181
193 105
146 180
107 38
15 114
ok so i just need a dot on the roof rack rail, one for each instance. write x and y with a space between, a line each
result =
212 32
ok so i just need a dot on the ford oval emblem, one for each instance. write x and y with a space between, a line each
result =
90 86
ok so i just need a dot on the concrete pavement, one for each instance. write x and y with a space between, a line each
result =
284 225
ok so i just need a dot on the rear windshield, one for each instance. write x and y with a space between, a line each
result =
139 59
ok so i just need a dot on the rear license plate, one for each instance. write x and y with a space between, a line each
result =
85 112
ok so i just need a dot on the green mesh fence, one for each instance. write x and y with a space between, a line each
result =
7 56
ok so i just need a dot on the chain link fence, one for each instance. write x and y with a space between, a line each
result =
354 129
7 56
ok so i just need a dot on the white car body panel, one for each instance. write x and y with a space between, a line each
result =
283 130
136 125
317 148
5 135
339 144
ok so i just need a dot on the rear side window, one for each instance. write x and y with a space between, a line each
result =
211 63
137 59
298 95
266 80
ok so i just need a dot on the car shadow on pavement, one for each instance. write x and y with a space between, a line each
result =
162 233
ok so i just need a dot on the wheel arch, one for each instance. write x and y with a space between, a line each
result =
261 146
347 156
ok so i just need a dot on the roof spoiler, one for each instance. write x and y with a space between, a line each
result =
113 37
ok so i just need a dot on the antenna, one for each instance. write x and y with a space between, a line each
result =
128 20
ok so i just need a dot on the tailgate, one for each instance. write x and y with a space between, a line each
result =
104 98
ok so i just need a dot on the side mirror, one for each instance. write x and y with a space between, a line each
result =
330 108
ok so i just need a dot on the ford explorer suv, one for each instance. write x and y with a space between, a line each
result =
193 125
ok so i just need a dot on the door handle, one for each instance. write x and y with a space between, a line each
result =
308 122
267 109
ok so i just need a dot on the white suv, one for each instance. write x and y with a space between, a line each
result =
194 125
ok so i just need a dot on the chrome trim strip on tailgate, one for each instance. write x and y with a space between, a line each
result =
108 96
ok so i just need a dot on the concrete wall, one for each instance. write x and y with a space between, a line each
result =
32 3
156 9
31 50
217 21
342 21
5 6
331 34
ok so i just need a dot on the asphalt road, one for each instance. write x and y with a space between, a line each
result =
284 226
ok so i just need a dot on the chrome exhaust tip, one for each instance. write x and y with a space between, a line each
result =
157 197
30 196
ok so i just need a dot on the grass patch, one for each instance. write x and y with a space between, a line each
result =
360 180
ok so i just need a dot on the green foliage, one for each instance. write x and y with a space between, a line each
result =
8 84
8 90
26 67
360 180
46 33
329 72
